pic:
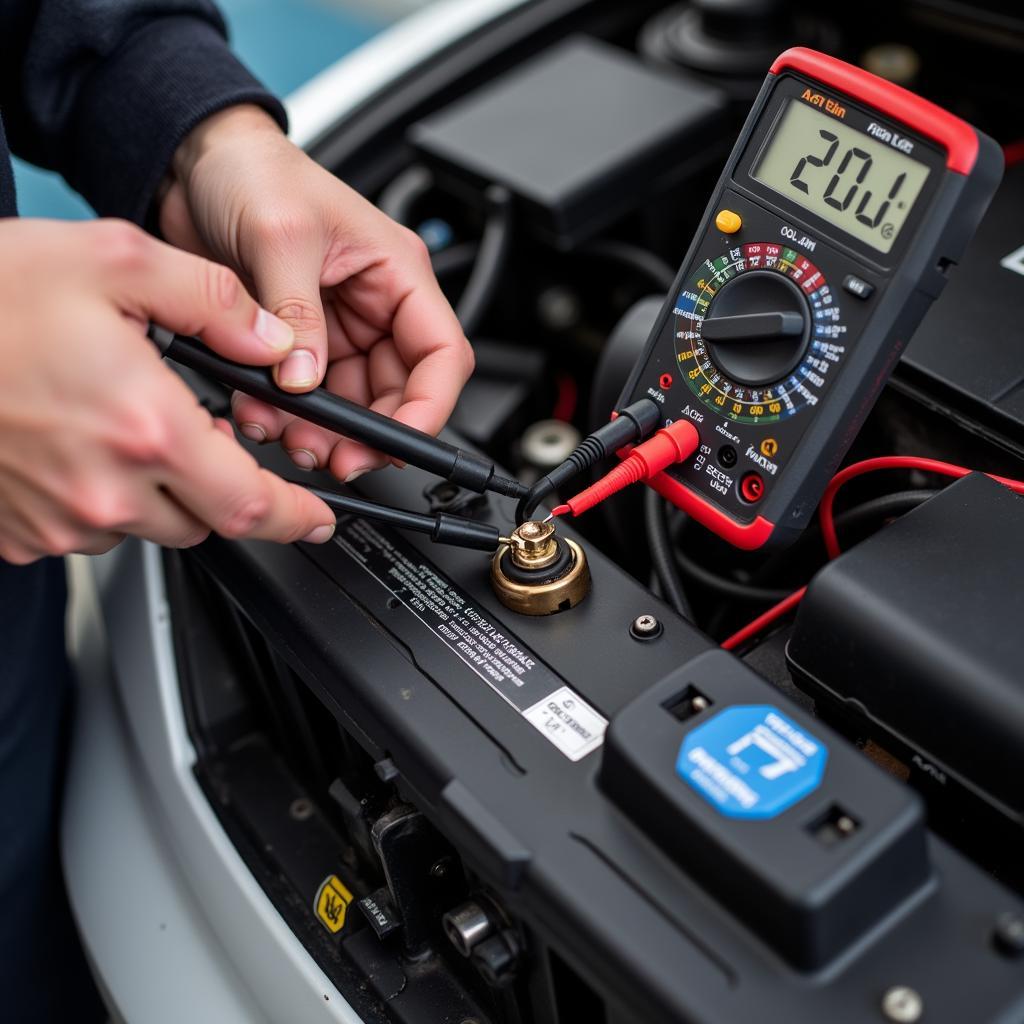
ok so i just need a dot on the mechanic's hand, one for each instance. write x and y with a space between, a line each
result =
369 317
98 438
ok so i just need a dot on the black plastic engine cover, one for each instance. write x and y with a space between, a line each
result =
916 633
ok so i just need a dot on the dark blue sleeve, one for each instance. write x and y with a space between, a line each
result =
103 91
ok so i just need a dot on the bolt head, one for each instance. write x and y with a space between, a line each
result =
534 545
645 626
902 1005
301 808
1009 934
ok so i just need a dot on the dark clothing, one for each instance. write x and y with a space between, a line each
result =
101 91
104 90
43 975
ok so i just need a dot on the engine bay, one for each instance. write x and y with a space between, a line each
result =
510 808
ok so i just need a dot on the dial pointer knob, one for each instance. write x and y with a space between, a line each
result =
752 326
757 327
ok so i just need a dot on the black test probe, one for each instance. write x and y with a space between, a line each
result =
337 414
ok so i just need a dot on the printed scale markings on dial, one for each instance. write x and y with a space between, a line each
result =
741 400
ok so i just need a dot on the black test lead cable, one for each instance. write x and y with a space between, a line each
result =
632 424
338 414
442 528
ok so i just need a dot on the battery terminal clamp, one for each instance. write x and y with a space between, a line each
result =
538 572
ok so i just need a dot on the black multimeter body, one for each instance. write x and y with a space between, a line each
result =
801 288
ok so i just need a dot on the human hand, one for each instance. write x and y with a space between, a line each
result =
369 317
98 438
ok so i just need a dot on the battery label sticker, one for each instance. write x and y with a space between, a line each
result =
752 761
500 659
569 722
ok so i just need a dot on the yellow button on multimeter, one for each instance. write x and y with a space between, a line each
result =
728 222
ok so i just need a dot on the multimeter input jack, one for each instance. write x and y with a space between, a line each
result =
538 572
751 487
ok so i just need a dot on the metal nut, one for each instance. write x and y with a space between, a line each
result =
533 545
549 443
466 927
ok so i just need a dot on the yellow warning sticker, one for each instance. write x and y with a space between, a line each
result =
332 900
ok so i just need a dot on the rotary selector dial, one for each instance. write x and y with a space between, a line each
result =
758 333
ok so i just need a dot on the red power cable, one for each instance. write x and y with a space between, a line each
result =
751 629
565 403
1013 152
828 526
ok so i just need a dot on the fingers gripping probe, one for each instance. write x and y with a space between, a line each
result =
338 414
467 469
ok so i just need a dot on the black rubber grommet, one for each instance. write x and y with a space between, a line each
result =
535 577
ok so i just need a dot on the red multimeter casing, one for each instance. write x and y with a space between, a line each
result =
843 205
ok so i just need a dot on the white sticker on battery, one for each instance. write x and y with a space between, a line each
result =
569 722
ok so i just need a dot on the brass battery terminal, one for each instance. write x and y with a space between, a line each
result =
538 572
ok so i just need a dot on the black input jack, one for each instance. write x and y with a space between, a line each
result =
727 456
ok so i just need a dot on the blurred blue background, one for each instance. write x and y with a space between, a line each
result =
285 42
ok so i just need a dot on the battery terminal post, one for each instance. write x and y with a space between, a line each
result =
538 572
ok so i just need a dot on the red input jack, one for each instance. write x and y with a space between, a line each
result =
751 487
672 444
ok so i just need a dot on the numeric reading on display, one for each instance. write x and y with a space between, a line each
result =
860 185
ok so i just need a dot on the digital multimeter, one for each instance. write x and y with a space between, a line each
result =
842 206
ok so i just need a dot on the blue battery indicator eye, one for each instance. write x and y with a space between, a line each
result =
752 761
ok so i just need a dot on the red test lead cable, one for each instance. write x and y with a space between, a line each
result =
670 445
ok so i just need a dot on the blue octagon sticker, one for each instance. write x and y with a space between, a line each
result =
752 761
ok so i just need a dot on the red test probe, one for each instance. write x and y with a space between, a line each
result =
672 444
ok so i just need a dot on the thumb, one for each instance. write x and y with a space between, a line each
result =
288 282
191 295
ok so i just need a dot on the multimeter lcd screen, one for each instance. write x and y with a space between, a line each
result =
861 185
